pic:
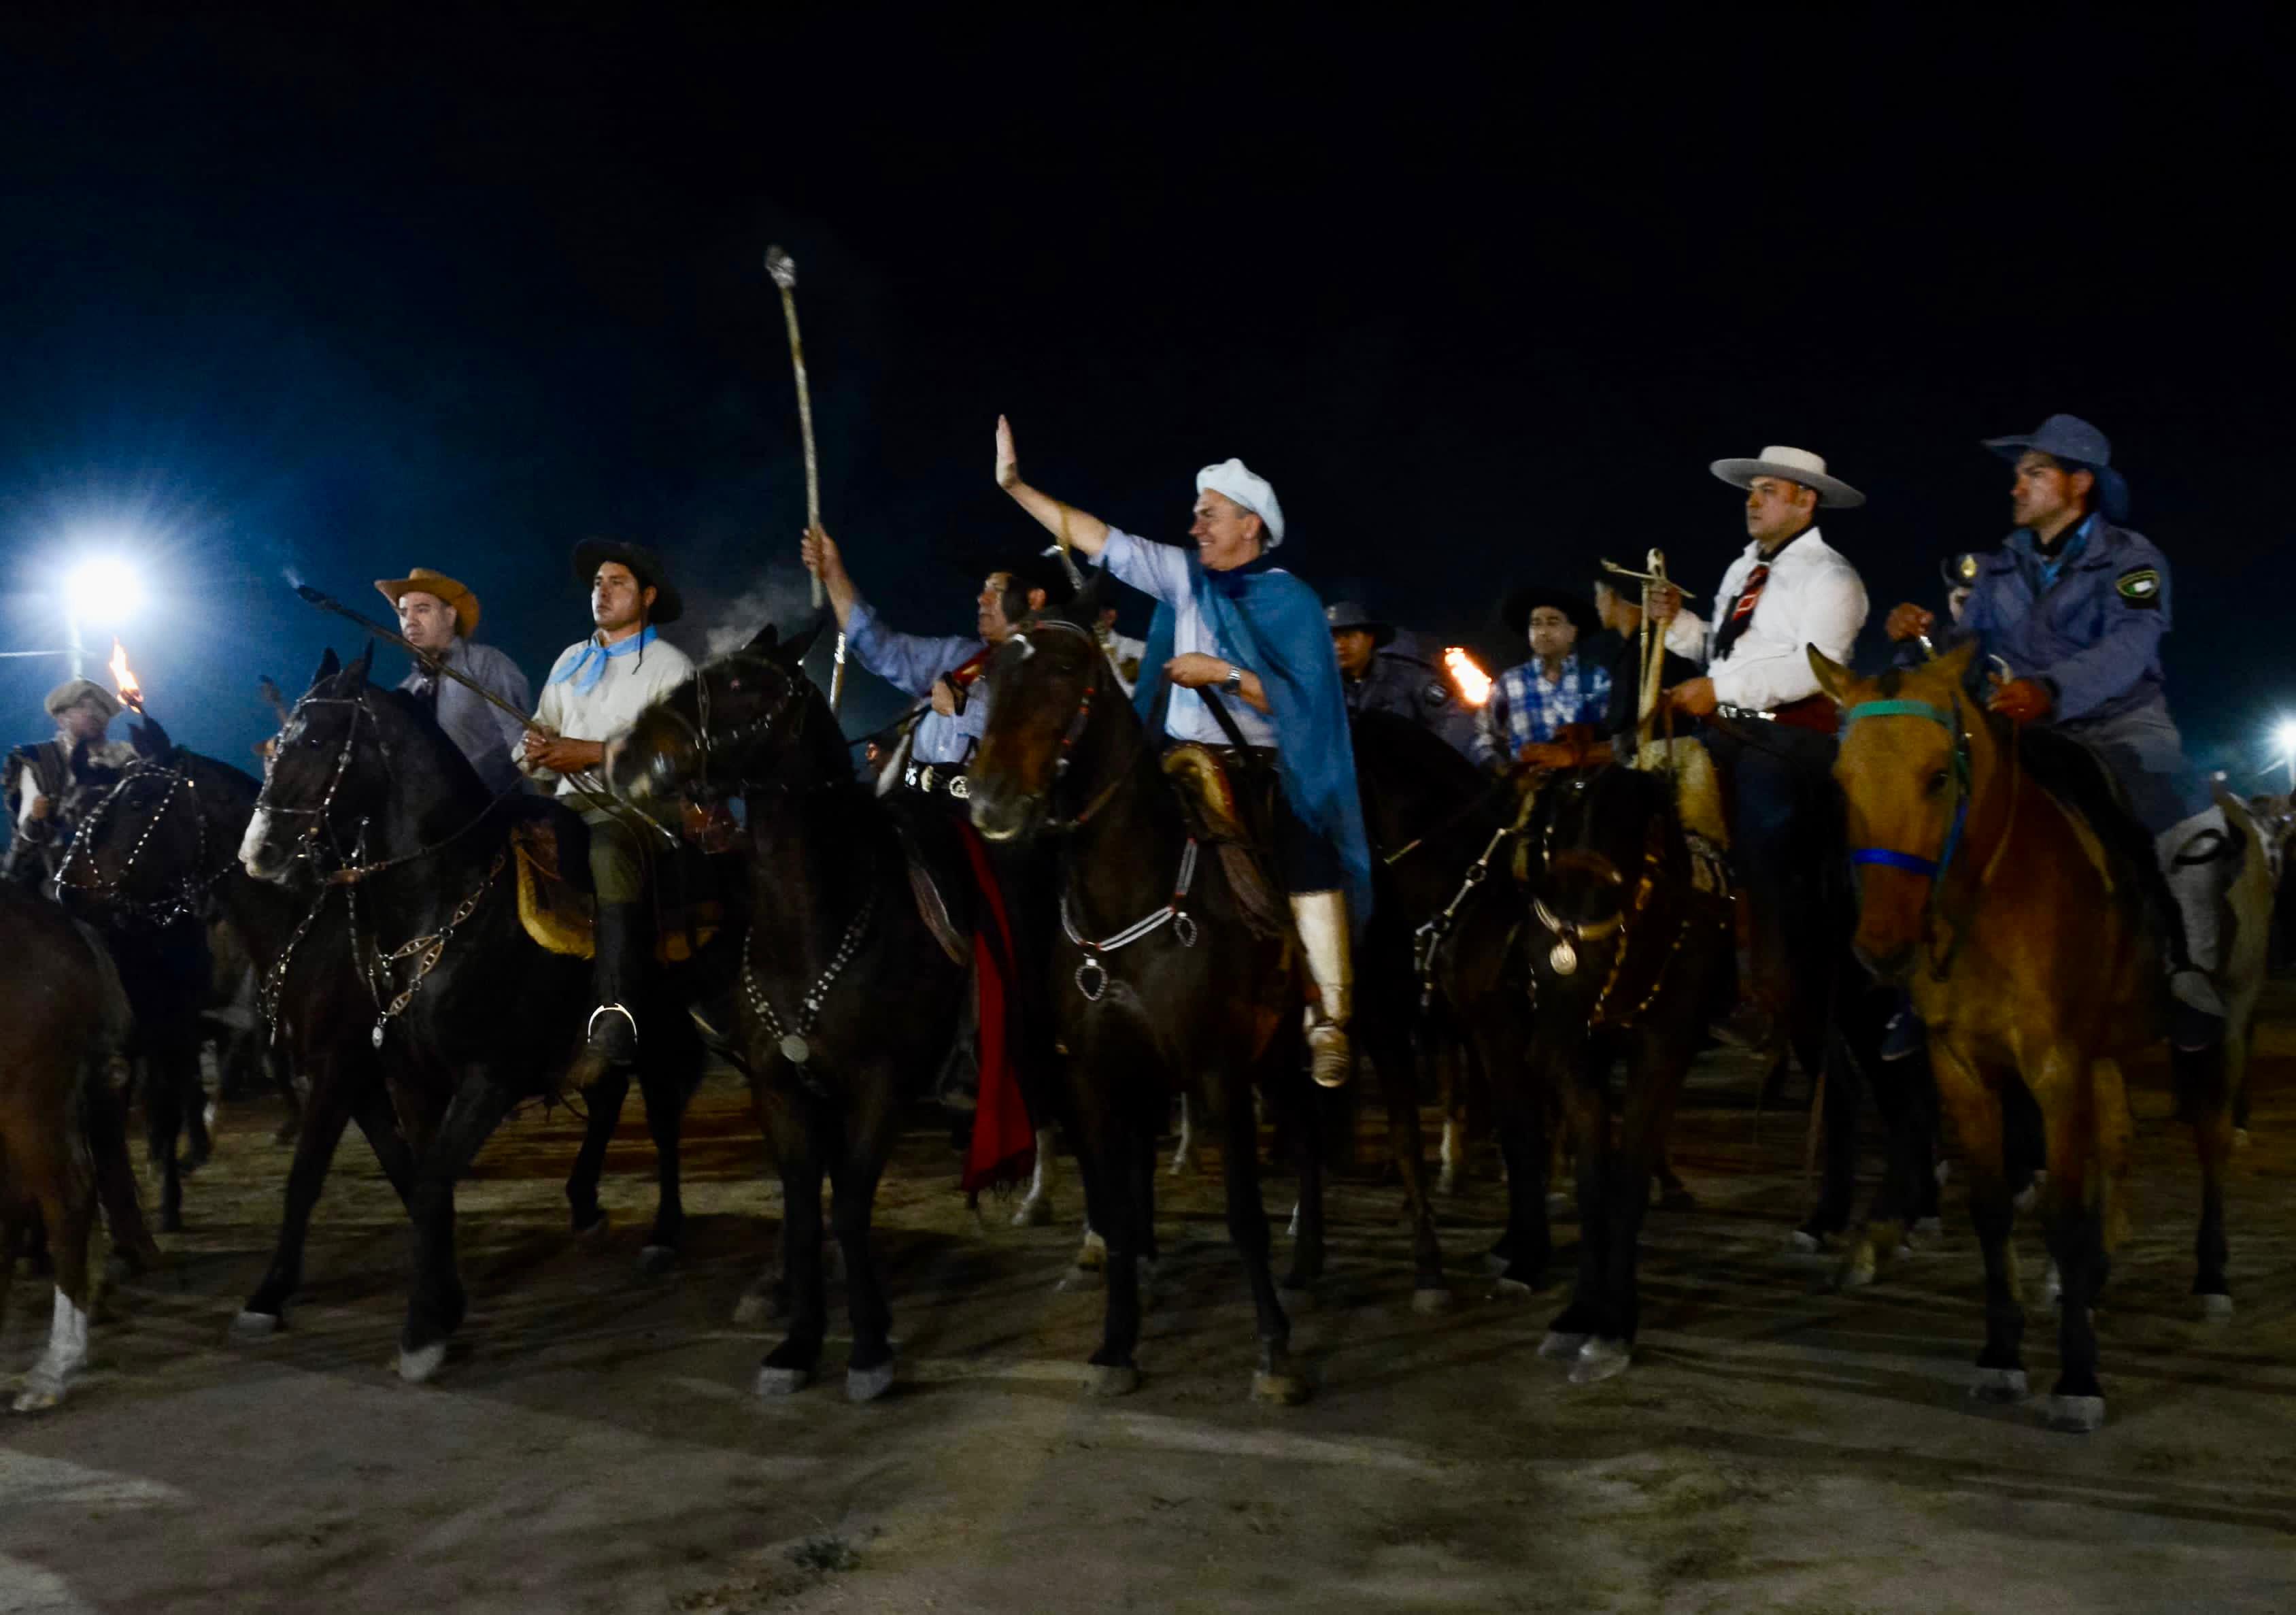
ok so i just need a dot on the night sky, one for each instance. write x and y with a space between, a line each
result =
335 293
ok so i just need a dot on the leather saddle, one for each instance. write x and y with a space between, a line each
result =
1222 818
559 908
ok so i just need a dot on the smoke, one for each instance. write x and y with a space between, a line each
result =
785 598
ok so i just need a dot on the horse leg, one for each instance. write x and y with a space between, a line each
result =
1035 1208
1184 1151
1101 1134
163 1124
436 1302
333 1101
789 1364
665 1078
1590 1313
1520 1098
102 1115
603 1099
1975 1109
1390 1057
2201 1082
1823 1052
1247 1228
869 1141
198 1147
1658 1061
1307 1215
67 1202
2078 1196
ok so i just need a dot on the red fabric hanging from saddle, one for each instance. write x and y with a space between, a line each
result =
1004 1148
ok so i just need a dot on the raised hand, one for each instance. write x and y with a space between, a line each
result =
1008 463
820 554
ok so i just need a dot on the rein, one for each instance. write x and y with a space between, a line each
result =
182 900
1074 732
1570 935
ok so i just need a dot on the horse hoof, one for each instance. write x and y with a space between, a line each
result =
753 1308
1495 1263
2240 1137
1503 1288
1600 1360
1279 1389
1432 1299
1035 1212
255 1326
1560 1205
868 1384
1999 1385
655 1260
1447 1181
598 1225
2216 1308
2053 1288
1079 1277
1858 1268
40 1393
781 1381
1111 1379
415 1367
1804 1241
1563 1345
2076 1415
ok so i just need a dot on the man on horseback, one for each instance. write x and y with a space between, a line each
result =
439 617
39 776
596 688
1379 676
1246 655
1535 705
2073 607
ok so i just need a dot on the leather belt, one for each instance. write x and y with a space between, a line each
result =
938 780
1816 712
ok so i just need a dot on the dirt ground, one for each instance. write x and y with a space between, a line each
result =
595 1444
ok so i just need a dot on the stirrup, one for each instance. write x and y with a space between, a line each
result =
1331 1059
590 1030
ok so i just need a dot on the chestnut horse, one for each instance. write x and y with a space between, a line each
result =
2033 963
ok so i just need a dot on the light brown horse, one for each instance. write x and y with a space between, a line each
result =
2031 962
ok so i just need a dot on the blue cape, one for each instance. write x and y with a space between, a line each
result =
1272 622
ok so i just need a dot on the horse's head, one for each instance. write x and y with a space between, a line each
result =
1042 685
1904 767
150 841
1594 835
329 764
740 721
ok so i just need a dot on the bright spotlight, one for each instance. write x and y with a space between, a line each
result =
2283 738
105 589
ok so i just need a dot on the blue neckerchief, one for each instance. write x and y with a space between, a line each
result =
2049 569
587 669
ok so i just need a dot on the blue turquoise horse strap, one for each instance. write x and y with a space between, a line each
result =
1949 720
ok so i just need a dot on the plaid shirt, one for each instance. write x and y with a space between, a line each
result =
1524 707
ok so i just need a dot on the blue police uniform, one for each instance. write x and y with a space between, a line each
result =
1410 688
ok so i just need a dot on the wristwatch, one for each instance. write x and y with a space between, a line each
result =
1234 682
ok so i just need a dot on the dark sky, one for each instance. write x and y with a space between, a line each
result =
337 293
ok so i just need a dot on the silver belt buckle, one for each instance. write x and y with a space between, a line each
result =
909 776
960 787
1747 711
926 780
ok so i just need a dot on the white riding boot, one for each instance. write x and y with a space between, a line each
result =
2196 858
1322 918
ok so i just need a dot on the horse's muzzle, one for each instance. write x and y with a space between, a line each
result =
1004 817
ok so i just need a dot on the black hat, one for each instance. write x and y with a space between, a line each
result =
1515 611
1342 615
591 554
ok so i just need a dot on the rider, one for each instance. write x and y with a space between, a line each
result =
1533 703
1251 637
39 776
2074 604
1621 617
1380 675
438 615
596 688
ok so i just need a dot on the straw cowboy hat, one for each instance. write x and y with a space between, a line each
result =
71 692
1792 465
422 580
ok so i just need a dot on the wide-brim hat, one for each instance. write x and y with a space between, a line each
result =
1792 465
644 565
1515 610
2073 443
1340 616
71 692
422 580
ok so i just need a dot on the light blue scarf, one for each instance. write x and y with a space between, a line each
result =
587 669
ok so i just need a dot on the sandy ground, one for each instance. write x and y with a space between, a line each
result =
594 1444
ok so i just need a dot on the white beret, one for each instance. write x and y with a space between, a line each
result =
1248 489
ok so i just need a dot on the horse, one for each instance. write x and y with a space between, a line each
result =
63 1149
1169 975
2029 956
364 784
848 999
1435 965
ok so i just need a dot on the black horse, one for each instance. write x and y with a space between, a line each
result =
469 1014
847 1004
1627 924
1164 979
1435 967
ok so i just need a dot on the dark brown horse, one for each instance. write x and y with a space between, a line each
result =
847 1002
1163 979
62 1149
469 1013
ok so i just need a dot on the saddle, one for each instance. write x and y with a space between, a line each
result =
1697 785
1219 817
559 909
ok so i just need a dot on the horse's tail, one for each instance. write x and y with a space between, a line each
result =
104 1128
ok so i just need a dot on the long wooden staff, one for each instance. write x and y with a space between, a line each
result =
783 268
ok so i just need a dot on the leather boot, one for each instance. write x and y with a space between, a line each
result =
1322 918
617 970
2198 858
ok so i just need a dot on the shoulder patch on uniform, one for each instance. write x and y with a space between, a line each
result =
2141 588
1437 693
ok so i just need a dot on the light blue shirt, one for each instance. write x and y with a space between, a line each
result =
1161 570
910 663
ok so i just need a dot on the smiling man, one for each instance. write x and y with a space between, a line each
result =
1232 627
596 688
439 617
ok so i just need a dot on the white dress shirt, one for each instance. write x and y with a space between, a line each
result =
629 685
1161 570
1813 596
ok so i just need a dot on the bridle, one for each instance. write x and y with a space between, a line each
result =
1571 934
182 899
1078 722
707 743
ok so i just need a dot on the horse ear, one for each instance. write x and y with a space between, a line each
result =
799 645
358 669
764 641
1832 677
327 668
151 741
1084 606
1955 663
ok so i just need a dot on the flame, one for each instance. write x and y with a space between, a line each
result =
1474 684
123 677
